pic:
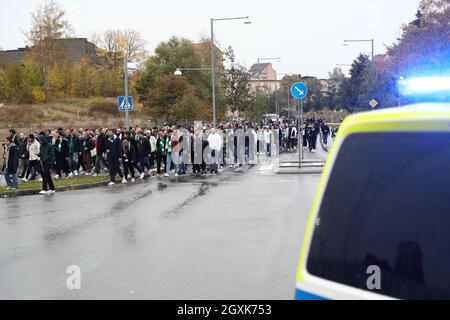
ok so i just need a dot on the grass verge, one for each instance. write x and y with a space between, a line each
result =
36 185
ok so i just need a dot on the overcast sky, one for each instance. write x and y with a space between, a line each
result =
306 34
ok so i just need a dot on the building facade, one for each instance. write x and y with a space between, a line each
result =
264 76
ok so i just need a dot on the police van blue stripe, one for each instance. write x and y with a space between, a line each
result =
303 295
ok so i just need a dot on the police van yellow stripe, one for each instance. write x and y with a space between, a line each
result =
416 118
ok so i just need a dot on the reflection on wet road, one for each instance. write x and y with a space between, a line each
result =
233 236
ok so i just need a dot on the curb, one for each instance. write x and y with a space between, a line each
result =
22 193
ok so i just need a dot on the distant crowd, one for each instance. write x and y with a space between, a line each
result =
134 152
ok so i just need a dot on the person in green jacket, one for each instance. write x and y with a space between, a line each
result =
47 155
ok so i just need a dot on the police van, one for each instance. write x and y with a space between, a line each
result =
380 223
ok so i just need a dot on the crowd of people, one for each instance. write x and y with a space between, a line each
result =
134 152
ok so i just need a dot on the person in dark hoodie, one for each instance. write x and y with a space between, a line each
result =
11 164
114 153
47 155
62 155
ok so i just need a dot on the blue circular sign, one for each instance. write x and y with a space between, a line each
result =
299 91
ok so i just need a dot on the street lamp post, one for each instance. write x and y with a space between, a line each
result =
213 62
372 41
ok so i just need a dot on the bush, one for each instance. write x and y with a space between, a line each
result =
99 105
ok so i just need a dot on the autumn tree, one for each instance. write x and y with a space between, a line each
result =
115 44
236 84
48 23
170 55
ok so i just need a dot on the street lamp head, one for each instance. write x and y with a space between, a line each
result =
178 72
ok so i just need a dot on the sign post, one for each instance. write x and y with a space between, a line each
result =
127 122
299 91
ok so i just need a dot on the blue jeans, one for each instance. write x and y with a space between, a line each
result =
73 161
11 179
143 162
168 161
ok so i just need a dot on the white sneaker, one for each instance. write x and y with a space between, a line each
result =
166 175
133 180
124 181
43 192
87 174
129 176
24 180
111 184
40 179
51 191
176 174
56 177
142 176
75 173
95 175
71 175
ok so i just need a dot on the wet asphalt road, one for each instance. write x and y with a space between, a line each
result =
234 236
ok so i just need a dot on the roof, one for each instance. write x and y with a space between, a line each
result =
254 68
77 48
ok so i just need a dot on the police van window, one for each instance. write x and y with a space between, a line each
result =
387 204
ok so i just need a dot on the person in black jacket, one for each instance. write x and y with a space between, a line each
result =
88 146
143 151
128 158
114 153
47 155
23 155
11 164
101 150
62 155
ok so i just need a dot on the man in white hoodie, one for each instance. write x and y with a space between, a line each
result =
215 145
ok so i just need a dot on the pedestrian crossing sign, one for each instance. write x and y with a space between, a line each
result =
122 101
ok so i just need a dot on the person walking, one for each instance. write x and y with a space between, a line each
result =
47 156
114 153
100 145
143 151
62 153
268 138
160 151
129 159
153 148
74 152
33 158
23 155
11 164
215 145
168 151
88 147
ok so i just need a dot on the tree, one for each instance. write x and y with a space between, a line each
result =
115 44
236 84
170 55
48 23
423 48
173 98
336 80
354 90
